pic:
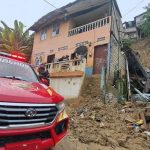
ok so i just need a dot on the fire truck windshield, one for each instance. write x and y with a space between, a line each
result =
17 70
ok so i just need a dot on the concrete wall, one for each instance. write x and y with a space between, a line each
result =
68 83
117 60
67 87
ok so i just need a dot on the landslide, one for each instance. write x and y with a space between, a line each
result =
143 48
99 126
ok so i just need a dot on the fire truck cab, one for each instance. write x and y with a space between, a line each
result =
32 115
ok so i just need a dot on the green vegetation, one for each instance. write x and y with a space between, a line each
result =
146 25
127 43
16 39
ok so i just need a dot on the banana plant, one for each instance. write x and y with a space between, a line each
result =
16 39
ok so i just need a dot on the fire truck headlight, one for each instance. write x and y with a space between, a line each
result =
61 106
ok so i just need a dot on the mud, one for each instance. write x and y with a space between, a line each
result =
98 126
143 49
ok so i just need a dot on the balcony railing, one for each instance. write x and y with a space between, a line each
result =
90 26
66 66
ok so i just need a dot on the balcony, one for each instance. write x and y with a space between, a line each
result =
90 26
66 66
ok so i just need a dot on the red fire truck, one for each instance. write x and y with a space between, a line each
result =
32 115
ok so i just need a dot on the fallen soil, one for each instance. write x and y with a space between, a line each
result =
143 49
98 126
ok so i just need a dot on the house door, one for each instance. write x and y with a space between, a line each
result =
50 58
100 58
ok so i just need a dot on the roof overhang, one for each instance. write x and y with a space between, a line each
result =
63 13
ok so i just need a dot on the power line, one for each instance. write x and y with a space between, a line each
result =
46 1
133 8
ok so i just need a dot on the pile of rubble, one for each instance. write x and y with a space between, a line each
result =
110 125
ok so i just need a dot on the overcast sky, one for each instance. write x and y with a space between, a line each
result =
29 11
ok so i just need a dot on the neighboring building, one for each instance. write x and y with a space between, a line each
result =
130 30
139 21
88 27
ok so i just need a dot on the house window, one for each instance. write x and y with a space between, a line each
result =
55 29
43 35
38 60
50 58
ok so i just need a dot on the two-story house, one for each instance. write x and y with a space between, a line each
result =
130 30
91 28
139 21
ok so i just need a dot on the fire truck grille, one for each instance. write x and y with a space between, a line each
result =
14 115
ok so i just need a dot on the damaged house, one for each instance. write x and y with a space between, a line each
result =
139 78
90 28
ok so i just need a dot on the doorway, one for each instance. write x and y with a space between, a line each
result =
50 58
100 58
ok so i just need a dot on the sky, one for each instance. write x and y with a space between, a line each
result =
29 11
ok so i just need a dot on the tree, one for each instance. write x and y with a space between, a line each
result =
15 39
146 25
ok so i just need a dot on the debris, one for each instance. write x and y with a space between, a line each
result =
147 86
109 97
123 110
147 133
102 125
92 116
142 116
140 104
129 119
82 115
128 105
79 111
140 96
133 124
137 129
106 125
140 122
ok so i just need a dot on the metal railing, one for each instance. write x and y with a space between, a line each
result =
91 26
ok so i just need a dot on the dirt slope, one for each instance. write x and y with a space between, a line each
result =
143 48
98 126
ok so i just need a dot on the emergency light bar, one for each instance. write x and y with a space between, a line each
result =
14 56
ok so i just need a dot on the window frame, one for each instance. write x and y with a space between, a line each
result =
55 29
43 35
